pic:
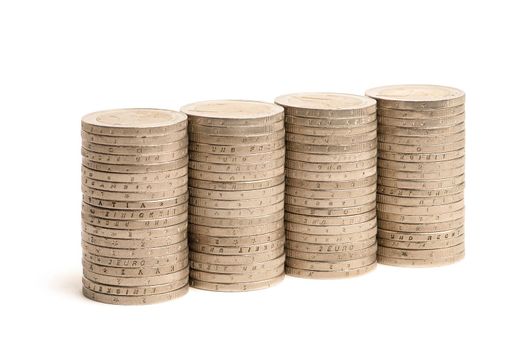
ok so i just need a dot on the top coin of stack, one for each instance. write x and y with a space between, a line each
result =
236 183
330 184
420 196
134 210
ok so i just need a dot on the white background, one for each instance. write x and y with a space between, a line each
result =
61 60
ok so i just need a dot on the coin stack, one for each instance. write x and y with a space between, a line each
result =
330 216
236 184
134 210
420 196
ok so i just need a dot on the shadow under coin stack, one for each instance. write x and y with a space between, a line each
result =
420 196
236 183
134 211
330 184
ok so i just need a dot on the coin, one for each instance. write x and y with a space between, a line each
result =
235 176
433 123
428 113
236 130
161 176
251 276
135 272
419 184
329 248
135 214
393 147
422 157
421 140
323 149
331 167
327 140
135 169
236 149
440 261
236 287
330 158
236 139
435 166
424 175
138 122
236 213
236 240
134 300
421 227
238 231
328 239
330 122
420 132
134 186
136 262
332 176
236 259
422 201
315 131
135 205
131 253
420 237
237 195
235 269
330 211
330 220
333 257
134 224
134 291
136 281
135 150
134 234
234 159
330 229
327 194
330 105
134 243
236 204
420 210
333 185
401 218
410 245
416 97
135 141
329 274
328 266
241 168
134 196
236 186
141 159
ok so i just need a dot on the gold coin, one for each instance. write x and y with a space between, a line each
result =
236 130
415 196
420 210
149 214
134 224
414 184
422 201
414 219
421 140
236 213
413 149
410 166
433 123
421 175
123 272
134 186
330 220
237 250
329 211
332 202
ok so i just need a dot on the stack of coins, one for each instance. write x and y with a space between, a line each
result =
420 196
236 184
330 215
134 210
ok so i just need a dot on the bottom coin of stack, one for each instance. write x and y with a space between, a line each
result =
134 210
236 182
330 184
420 197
